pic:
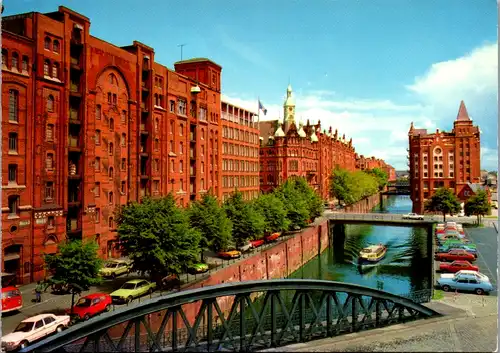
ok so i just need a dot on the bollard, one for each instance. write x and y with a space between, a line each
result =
484 301
455 295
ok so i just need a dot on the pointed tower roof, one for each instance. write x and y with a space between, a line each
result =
314 138
279 131
301 131
462 115
290 101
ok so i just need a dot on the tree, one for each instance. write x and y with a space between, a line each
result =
247 222
157 237
339 184
297 210
477 205
380 177
314 202
76 265
444 201
273 210
211 221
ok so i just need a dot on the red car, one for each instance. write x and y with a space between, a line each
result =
272 237
91 305
457 254
257 243
11 299
456 266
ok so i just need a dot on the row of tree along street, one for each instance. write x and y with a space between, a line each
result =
161 238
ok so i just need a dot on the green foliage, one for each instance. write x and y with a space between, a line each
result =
157 237
380 176
444 201
339 185
350 187
314 203
211 221
478 205
274 212
76 262
297 210
248 223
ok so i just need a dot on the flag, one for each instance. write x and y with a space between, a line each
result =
261 107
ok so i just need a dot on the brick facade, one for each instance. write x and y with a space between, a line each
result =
289 150
444 159
89 126
240 149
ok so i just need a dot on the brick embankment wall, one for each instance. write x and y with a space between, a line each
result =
363 206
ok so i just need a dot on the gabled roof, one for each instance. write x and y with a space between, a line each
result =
475 187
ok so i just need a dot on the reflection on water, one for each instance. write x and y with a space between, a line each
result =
405 268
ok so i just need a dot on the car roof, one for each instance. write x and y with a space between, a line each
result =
9 288
95 295
37 317
117 261
135 281
467 272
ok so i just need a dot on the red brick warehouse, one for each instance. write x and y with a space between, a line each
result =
290 148
445 159
109 125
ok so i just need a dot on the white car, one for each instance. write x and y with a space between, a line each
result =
414 216
33 329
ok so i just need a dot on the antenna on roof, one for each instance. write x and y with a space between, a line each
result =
182 46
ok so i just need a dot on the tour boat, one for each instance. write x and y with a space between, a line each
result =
372 254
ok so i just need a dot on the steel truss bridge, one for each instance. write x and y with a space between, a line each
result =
244 316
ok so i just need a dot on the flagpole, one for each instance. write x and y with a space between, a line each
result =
258 111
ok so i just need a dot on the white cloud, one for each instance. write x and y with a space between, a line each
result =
380 127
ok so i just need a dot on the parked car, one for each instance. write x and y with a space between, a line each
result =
245 248
414 216
11 299
272 237
452 255
170 282
198 268
91 305
115 268
449 247
257 243
465 281
230 254
453 242
33 329
456 266
131 290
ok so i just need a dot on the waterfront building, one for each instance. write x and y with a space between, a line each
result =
288 148
444 159
240 151
368 163
89 126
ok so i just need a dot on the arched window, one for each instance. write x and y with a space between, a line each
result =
49 162
172 127
110 197
4 56
24 66
56 46
111 223
47 43
46 68
98 112
111 124
110 172
55 70
111 148
15 61
157 124
13 105
50 103
124 140
124 117
157 144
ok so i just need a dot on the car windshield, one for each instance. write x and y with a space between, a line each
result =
83 302
111 265
128 286
24 327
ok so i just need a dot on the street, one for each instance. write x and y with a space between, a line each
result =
486 240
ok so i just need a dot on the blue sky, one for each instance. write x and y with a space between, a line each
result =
367 68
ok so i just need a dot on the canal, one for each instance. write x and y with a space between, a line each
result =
405 269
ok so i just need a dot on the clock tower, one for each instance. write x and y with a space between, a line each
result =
289 108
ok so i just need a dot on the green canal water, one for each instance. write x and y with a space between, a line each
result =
405 270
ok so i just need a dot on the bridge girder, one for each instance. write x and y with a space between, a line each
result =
242 316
